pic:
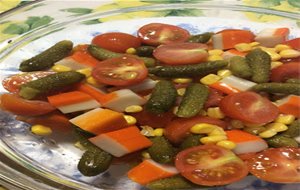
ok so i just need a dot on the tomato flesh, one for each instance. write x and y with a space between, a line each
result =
153 120
120 71
285 71
278 165
210 165
294 43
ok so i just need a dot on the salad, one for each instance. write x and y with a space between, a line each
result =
187 111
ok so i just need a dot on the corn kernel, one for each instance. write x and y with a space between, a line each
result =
181 91
267 133
131 51
41 130
278 127
91 80
217 131
253 44
215 52
182 80
224 73
146 155
236 124
87 72
158 132
275 64
147 131
285 119
226 144
215 113
133 109
214 58
274 56
212 139
243 47
60 68
79 146
130 119
280 47
289 53
210 79
203 128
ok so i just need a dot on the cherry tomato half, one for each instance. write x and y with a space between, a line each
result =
279 165
294 43
181 53
159 33
285 71
249 107
153 120
116 41
210 165
120 71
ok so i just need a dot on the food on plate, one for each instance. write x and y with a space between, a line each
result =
194 110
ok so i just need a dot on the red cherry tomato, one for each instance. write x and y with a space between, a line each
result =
153 120
278 165
294 43
158 33
181 53
249 107
210 165
214 98
13 83
285 71
120 71
116 41
179 128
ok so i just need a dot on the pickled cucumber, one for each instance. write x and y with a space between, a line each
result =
293 129
49 83
281 141
200 38
83 136
145 51
297 81
171 183
281 88
47 58
191 141
161 150
239 67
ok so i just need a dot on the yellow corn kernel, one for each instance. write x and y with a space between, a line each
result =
285 119
267 133
60 68
133 109
217 131
214 58
215 113
146 155
41 130
224 73
131 51
215 52
253 44
91 80
203 128
158 132
212 139
210 79
237 124
275 64
226 144
130 119
79 146
278 127
274 56
181 91
147 131
182 80
243 47
289 53
280 47
87 72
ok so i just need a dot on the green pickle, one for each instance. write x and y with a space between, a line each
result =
193 100
260 64
292 80
161 150
145 51
239 67
281 141
47 58
82 136
293 129
49 83
281 88
191 141
200 38
162 98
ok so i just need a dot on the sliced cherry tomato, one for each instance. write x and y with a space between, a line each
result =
285 71
181 53
120 71
153 120
294 43
116 41
279 165
249 107
159 33
179 128
13 83
20 106
210 165
214 98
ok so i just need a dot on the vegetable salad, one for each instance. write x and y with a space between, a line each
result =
190 111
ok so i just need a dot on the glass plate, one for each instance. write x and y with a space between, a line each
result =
29 29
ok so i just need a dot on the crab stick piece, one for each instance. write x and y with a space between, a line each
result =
73 101
147 84
227 39
233 52
149 170
121 142
270 37
289 105
99 121
96 93
245 142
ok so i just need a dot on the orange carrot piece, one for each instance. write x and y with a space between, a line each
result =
224 87
232 37
68 98
148 171
96 93
238 136
292 106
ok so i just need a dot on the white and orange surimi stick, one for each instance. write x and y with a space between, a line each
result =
121 142
73 101
270 37
231 53
96 93
149 170
289 105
